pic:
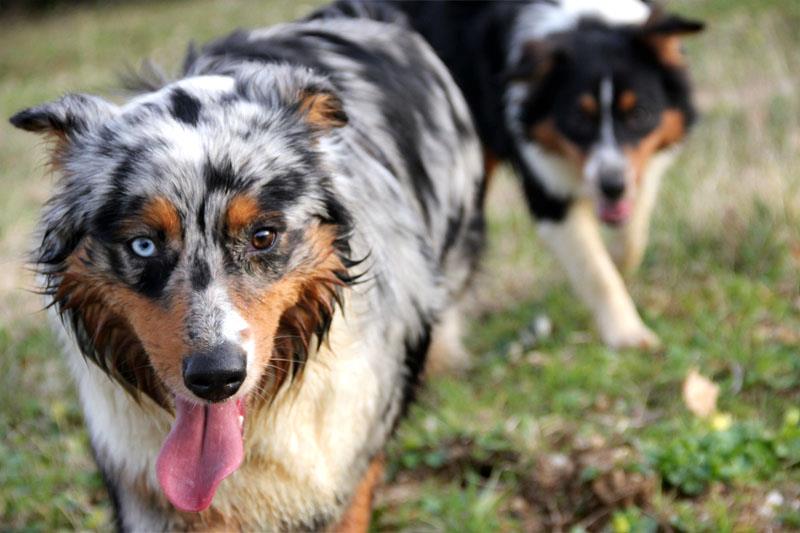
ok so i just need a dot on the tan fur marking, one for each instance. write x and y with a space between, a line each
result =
669 131
57 144
546 134
284 319
110 312
357 517
668 49
588 104
161 329
537 61
242 210
490 162
159 213
627 100
322 110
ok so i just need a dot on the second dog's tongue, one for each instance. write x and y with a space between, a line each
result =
203 447
615 212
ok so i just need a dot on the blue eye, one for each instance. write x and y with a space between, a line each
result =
143 247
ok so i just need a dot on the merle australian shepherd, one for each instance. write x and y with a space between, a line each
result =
255 259
585 98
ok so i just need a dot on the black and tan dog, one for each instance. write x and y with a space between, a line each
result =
585 98
259 256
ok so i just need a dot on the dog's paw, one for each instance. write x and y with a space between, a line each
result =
636 335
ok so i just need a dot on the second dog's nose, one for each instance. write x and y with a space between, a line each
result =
612 185
215 374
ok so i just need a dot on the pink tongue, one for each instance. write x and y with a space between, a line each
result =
615 212
203 448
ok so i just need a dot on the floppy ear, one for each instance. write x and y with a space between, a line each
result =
62 121
72 115
537 60
662 34
309 94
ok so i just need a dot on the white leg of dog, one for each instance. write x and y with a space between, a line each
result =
578 245
630 241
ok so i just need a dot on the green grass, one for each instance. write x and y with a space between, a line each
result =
560 432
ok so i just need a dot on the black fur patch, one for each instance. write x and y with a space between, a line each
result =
416 348
185 107
118 202
156 273
454 222
543 205
201 274
220 177
282 191
201 215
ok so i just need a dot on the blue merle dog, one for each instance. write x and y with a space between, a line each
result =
259 256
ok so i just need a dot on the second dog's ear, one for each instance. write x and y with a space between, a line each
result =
662 34
536 61
322 109
65 118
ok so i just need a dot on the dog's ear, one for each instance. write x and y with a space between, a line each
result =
537 60
322 108
662 33
313 97
62 121
70 116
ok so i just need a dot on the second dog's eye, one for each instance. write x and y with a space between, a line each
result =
143 246
263 239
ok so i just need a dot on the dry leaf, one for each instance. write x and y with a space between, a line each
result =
700 394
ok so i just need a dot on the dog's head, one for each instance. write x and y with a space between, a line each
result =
196 246
602 99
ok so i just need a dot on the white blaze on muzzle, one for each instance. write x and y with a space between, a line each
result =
607 173
606 158
236 330
215 310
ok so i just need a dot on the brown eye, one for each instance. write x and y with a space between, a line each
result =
263 239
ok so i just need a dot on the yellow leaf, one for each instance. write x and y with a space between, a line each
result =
621 524
721 421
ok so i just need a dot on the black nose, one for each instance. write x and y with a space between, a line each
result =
612 185
215 374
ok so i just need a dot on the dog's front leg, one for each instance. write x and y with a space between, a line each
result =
578 245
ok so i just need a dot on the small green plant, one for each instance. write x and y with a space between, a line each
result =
736 452
633 520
